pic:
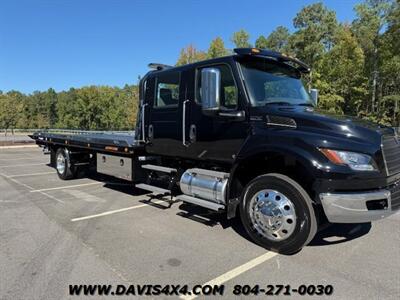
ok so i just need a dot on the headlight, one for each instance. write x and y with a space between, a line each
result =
356 161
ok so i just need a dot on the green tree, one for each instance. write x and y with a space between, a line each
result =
190 55
241 39
10 109
278 40
316 26
217 48
261 42
342 71
372 17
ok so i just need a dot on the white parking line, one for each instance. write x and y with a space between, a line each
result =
31 174
21 158
30 188
114 211
235 272
24 165
66 187
17 182
19 146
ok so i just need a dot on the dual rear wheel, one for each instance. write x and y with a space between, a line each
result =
65 169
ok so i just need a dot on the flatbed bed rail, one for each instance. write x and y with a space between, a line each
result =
102 141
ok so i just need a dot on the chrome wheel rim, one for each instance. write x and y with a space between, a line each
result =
272 215
60 163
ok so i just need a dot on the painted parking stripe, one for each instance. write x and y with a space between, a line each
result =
235 272
114 211
24 165
18 146
31 188
24 158
66 187
31 174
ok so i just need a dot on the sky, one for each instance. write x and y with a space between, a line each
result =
73 43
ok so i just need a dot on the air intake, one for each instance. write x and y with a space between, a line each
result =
278 121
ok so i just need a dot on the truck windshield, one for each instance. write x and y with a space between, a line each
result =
270 82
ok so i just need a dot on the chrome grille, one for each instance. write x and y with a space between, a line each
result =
395 195
391 153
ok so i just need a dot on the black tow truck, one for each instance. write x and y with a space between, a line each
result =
241 135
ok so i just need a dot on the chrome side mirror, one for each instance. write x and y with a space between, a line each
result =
314 96
210 89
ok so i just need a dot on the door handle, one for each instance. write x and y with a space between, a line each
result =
192 133
239 115
184 123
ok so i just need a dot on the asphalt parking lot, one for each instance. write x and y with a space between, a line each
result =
98 231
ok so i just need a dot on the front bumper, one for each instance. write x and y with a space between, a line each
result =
352 207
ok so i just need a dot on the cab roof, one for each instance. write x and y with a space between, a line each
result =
255 52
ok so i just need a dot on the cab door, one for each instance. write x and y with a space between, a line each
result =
214 137
163 133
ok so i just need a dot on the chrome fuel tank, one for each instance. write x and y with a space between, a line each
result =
205 184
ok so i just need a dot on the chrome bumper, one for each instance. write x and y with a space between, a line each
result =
352 207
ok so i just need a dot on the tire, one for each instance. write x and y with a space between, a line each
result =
277 213
65 170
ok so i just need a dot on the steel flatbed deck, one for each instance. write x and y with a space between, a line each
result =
115 142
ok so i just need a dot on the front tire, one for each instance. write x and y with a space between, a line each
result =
65 170
277 213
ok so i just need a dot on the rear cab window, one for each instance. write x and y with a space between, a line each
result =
167 90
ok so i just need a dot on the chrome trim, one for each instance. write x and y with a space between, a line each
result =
281 125
184 123
269 122
233 114
272 215
384 157
143 123
352 207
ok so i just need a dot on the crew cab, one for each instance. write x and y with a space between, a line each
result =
241 135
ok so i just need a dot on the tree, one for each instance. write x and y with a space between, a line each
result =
342 68
316 26
278 40
190 55
261 42
217 48
372 16
10 108
241 39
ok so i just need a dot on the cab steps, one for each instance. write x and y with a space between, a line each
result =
160 169
153 189
200 202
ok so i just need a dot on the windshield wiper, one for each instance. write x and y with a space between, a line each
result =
278 103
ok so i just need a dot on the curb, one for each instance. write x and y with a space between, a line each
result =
18 146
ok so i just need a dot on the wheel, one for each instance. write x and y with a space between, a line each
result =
64 168
277 213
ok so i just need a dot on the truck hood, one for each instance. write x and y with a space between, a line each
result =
327 123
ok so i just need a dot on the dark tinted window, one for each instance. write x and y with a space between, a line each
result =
167 91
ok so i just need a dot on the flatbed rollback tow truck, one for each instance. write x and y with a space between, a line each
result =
241 135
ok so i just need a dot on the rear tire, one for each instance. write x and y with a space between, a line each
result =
64 167
277 213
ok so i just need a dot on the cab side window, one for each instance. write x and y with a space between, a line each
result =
229 91
167 90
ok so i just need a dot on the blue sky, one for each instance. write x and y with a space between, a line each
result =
72 43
